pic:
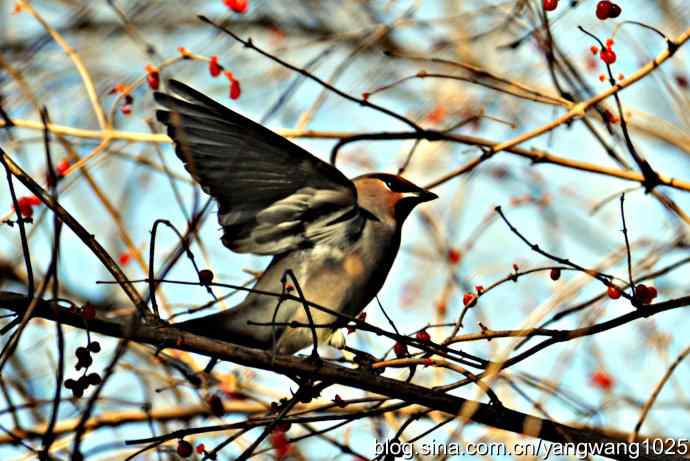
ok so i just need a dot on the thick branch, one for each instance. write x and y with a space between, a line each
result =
166 336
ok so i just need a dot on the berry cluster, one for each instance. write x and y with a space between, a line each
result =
607 10
128 98
84 360
215 69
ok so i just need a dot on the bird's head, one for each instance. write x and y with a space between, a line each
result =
388 197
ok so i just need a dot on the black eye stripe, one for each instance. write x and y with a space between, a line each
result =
397 184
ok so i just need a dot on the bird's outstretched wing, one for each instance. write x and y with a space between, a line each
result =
273 196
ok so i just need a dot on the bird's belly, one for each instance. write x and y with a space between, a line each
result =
342 281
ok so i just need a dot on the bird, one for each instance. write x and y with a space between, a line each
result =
338 237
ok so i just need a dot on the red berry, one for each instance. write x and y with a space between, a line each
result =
238 6
614 292
608 56
555 274
454 255
200 449
603 10
124 258
235 89
423 336
62 167
213 67
609 42
594 49
365 96
280 443
602 380
154 80
645 294
400 350
469 299
153 76
652 291
31 200
126 109
26 211
550 5
26 204
184 448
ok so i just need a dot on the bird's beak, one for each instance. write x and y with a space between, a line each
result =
421 196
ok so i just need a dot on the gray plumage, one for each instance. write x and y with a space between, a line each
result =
339 237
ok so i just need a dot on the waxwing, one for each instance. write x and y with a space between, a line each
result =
339 237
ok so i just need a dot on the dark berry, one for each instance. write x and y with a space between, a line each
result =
94 379
205 277
70 383
88 312
215 403
184 448
77 392
555 274
614 11
94 346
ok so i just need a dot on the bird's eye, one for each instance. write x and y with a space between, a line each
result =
389 184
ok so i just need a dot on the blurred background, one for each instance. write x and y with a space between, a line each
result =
486 71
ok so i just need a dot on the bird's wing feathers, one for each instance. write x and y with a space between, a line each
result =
273 196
